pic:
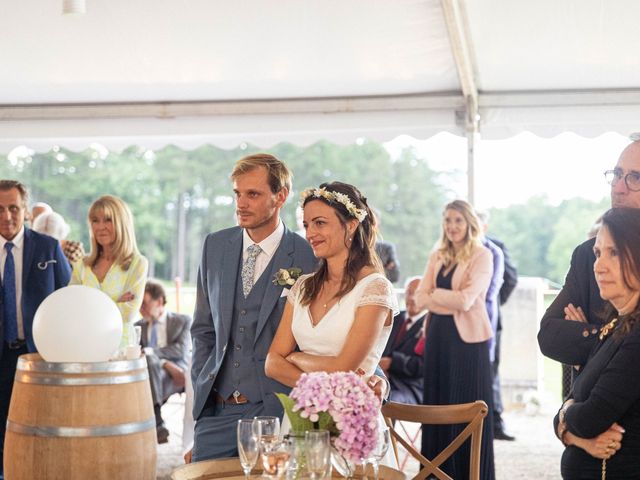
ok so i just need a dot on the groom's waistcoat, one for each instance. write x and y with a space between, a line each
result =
238 371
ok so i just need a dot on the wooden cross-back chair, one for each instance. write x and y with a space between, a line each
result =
472 414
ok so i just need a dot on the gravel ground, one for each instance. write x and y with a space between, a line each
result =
535 454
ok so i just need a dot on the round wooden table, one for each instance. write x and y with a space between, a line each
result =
229 468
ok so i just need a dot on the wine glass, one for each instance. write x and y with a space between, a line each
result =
318 453
383 440
276 456
248 444
269 428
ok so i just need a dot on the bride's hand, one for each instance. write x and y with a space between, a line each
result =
291 358
375 383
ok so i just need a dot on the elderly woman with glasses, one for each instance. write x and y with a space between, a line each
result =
600 422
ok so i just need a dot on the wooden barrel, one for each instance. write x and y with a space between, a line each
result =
80 420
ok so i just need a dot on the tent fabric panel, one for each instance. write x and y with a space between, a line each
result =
587 121
211 50
225 131
554 44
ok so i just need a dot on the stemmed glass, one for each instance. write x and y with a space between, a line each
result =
269 427
276 456
248 444
269 435
380 450
318 453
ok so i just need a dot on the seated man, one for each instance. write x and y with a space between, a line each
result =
166 342
402 365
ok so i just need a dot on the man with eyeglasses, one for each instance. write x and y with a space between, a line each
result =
572 322
32 266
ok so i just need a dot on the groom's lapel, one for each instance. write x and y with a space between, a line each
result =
230 266
283 258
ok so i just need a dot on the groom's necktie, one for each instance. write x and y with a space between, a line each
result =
249 268
9 296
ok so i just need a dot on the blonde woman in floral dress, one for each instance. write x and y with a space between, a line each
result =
340 317
114 264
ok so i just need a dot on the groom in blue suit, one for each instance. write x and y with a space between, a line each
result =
238 307
32 266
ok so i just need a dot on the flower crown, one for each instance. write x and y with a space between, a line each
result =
359 213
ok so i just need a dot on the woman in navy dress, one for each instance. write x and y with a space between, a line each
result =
456 355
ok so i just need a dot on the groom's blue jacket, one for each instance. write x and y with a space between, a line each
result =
212 319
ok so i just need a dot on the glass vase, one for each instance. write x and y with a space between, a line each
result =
297 465
342 465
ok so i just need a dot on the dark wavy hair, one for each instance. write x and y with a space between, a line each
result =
362 250
623 224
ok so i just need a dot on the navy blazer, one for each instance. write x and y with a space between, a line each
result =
407 367
44 270
217 279
564 340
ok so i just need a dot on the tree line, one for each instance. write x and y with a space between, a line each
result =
179 196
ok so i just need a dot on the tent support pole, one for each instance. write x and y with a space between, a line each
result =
462 49
473 139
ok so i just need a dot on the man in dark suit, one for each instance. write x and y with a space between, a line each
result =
386 252
402 365
32 267
504 268
571 324
509 282
238 307
166 342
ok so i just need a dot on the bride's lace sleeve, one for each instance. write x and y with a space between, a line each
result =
294 291
379 291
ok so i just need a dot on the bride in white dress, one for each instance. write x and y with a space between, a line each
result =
340 317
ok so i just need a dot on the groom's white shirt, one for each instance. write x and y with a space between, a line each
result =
269 246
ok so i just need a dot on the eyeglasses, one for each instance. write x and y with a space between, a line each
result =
631 179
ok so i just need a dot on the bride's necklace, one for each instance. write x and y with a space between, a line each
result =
327 303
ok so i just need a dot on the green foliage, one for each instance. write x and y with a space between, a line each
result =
298 424
540 237
178 197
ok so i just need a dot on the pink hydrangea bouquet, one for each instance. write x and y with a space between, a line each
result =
339 402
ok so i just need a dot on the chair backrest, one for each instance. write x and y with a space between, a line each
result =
471 414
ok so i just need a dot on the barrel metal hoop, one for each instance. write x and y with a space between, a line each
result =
101 367
98 431
28 377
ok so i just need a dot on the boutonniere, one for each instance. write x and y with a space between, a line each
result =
286 277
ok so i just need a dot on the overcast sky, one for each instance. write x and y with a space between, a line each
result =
513 170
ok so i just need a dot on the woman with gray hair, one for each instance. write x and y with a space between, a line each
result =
52 224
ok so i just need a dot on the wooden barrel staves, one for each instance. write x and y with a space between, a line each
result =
80 420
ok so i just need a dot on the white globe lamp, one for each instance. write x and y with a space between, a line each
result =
77 324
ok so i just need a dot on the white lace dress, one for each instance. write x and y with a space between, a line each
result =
328 337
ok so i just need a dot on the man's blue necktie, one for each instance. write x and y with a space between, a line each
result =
9 296
153 339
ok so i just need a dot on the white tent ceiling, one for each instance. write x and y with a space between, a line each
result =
188 72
